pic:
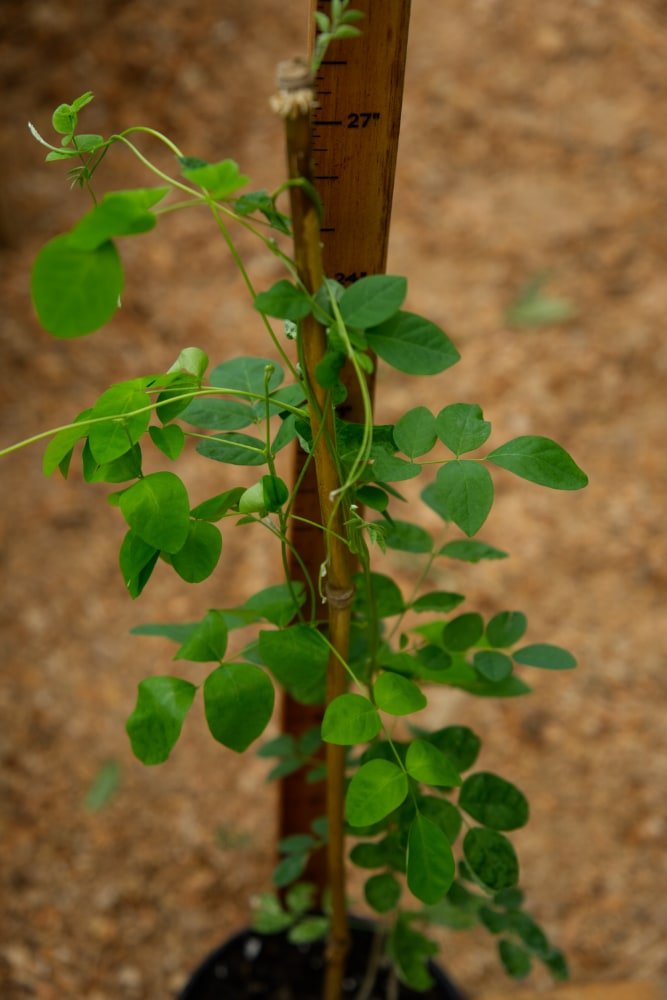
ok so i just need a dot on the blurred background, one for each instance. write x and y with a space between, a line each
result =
529 215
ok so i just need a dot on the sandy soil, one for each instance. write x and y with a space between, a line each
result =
531 142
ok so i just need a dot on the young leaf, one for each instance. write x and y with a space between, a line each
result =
238 700
376 789
218 179
119 213
471 551
137 560
216 508
468 492
204 642
158 510
372 300
414 433
123 426
491 858
494 802
61 445
75 291
398 695
412 345
156 722
462 427
198 557
545 656
506 628
284 301
426 764
540 460
382 892
309 929
269 494
430 862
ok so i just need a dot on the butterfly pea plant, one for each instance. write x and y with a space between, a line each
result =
429 830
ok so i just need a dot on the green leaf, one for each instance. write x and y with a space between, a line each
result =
247 375
492 665
277 604
398 695
350 719
414 433
545 656
373 497
494 802
382 892
376 789
412 345
459 743
75 291
289 869
385 468
406 537
298 658
158 510
61 445
199 556
104 786
205 642
268 495
463 632
218 414
516 960
410 952
238 699
191 361
381 591
443 813
137 561
506 628
462 427
468 491
64 119
268 915
556 963
309 929
540 460
156 722
169 440
111 439
426 764
491 858
372 300
119 213
533 308
218 179
437 600
430 862
284 301
234 449
177 633
216 508
471 551
261 201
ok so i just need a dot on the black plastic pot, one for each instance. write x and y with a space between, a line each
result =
251 965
